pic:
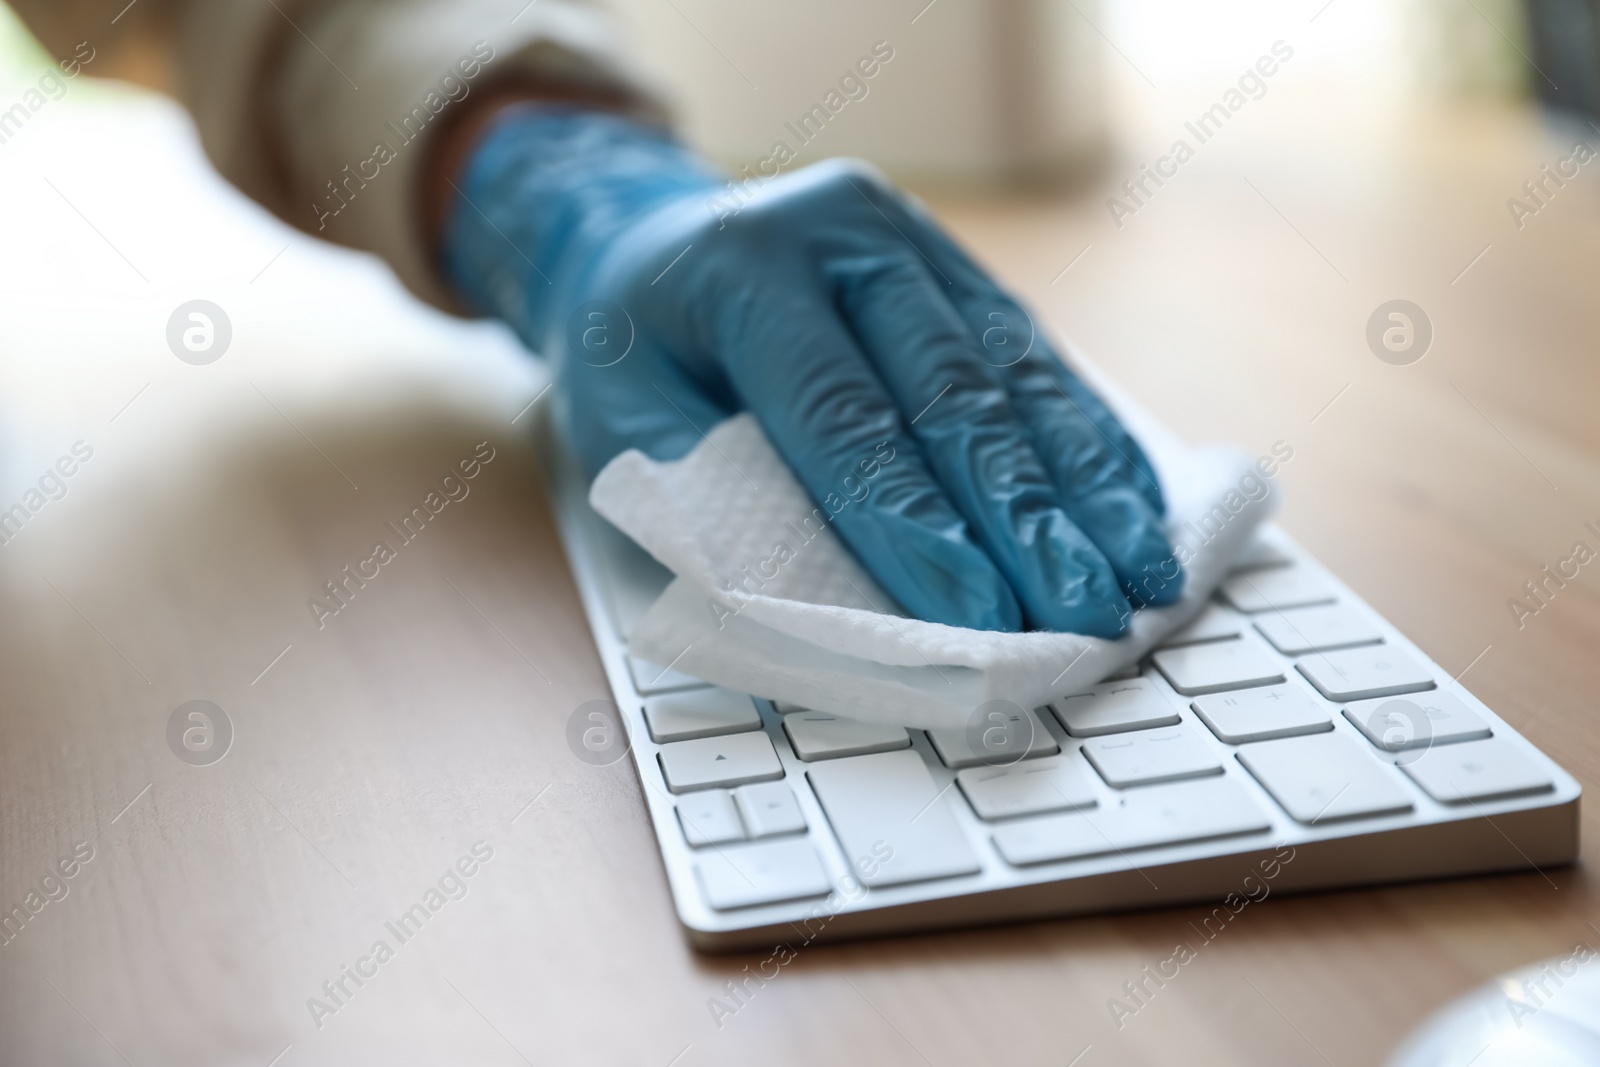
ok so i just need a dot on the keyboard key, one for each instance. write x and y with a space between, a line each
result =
709 818
1152 756
1262 714
786 708
999 743
709 762
1056 783
1214 623
1123 674
651 678
1477 770
1325 778
817 735
1218 666
769 809
1317 629
894 823
741 876
700 713
1396 724
1259 555
1147 818
1280 588
1360 673
1113 707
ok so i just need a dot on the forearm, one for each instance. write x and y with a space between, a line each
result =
548 186
463 132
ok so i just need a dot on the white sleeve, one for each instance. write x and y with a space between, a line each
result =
323 110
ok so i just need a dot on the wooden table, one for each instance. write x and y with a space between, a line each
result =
428 715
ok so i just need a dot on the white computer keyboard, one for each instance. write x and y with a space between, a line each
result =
1289 736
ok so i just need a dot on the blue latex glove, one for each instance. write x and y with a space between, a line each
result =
836 311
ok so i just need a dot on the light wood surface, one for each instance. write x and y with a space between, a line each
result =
429 714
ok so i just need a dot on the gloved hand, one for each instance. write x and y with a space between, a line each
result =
836 311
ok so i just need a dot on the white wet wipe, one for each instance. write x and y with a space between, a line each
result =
768 600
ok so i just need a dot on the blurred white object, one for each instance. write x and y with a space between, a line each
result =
1547 1014
974 91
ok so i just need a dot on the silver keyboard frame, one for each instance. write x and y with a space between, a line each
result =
1433 841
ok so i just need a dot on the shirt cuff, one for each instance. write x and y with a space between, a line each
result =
335 135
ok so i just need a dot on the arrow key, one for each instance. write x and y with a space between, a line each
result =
708 762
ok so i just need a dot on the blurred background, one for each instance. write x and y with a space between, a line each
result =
1381 160
988 92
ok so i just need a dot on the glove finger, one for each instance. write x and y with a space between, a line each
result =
1094 478
982 453
829 416
1108 484
1014 344
1008 332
